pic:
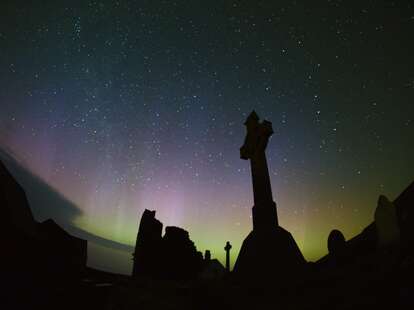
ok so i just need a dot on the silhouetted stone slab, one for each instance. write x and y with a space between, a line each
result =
147 255
337 250
270 256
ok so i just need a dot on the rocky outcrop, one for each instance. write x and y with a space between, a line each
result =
41 251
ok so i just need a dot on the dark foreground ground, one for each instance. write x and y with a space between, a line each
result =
362 285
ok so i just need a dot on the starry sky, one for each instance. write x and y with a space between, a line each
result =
125 105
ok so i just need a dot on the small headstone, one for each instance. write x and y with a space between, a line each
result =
336 242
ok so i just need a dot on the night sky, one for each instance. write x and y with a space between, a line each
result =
125 105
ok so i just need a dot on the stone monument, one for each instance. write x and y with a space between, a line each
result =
269 253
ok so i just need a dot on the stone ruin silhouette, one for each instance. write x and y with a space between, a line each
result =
172 256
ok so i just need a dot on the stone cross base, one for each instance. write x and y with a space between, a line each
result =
265 216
